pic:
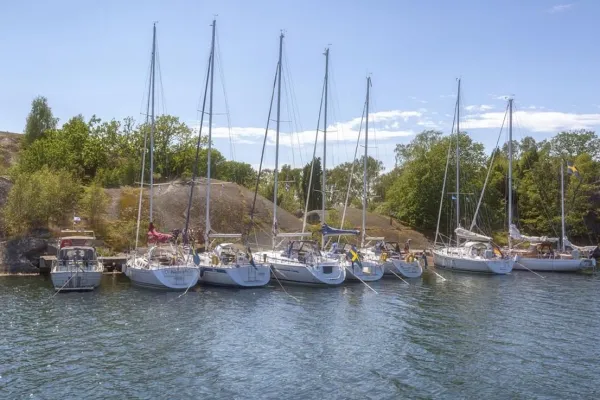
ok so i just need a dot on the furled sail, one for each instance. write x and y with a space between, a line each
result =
326 230
586 249
516 235
468 235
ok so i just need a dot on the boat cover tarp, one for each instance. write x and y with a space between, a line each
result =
157 237
587 249
468 235
326 230
516 235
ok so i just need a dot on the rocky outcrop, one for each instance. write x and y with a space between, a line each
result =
5 186
21 256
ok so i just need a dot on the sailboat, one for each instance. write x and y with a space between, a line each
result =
388 262
301 262
473 252
541 256
358 268
226 264
163 265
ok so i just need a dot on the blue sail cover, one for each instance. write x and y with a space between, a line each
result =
326 230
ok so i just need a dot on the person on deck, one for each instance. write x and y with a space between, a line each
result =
407 246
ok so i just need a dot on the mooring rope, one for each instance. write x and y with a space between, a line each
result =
365 283
276 278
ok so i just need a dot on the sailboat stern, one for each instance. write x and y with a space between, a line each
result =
408 269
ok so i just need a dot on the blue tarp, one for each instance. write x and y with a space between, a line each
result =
326 230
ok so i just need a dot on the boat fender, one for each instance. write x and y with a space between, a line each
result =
215 259
410 258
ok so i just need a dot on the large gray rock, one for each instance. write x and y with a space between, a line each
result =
21 256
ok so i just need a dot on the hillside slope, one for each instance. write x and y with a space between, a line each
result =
231 205
10 144
381 226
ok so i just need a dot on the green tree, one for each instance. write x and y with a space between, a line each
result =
39 120
414 197
93 205
313 193
575 142
40 199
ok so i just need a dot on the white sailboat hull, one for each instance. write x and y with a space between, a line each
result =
471 264
403 268
176 277
553 264
75 280
369 272
244 275
327 273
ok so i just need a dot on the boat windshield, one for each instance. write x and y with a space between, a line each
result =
340 248
302 247
77 254
390 247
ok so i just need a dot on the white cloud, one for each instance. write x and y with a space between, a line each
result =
482 107
419 100
534 121
383 124
560 8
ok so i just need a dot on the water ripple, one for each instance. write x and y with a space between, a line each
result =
517 336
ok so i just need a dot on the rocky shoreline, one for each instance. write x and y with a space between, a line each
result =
21 255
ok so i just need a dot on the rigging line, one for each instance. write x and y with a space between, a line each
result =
437 229
474 220
336 105
292 93
286 90
162 103
262 155
195 168
312 162
146 90
352 167
160 82
227 113
374 102
292 119
295 109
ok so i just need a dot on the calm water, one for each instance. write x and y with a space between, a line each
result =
471 336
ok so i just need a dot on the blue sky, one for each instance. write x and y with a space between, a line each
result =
92 58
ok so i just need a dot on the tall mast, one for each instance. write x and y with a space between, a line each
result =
276 183
364 210
210 115
152 127
562 203
324 188
510 160
458 161
139 216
